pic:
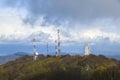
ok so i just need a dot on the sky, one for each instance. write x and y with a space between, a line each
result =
95 22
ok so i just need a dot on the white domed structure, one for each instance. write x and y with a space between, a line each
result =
36 55
87 50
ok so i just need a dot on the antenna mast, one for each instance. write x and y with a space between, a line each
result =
47 47
35 50
58 51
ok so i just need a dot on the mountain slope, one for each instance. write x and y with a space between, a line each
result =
4 59
61 68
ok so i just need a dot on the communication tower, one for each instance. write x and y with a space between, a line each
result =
87 49
35 49
47 48
58 51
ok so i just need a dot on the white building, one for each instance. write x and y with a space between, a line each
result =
87 50
35 55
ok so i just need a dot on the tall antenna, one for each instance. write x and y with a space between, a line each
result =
35 50
47 48
87 49
58 43
56 51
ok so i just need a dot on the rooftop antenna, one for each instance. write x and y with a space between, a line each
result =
35 49
87 49
58 51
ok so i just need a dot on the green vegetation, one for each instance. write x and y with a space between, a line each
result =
61 68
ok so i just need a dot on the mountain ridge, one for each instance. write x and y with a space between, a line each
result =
62 68
12 57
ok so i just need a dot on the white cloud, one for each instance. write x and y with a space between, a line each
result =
92 34
13 30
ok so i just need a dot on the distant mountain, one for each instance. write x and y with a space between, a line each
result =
20 54
4 59
65 67
114 56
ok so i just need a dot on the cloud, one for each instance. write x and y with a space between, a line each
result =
13 30
91 35
57 11
79 21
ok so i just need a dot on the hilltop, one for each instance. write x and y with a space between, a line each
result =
67 67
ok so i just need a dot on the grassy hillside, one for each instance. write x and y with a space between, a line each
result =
61 68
